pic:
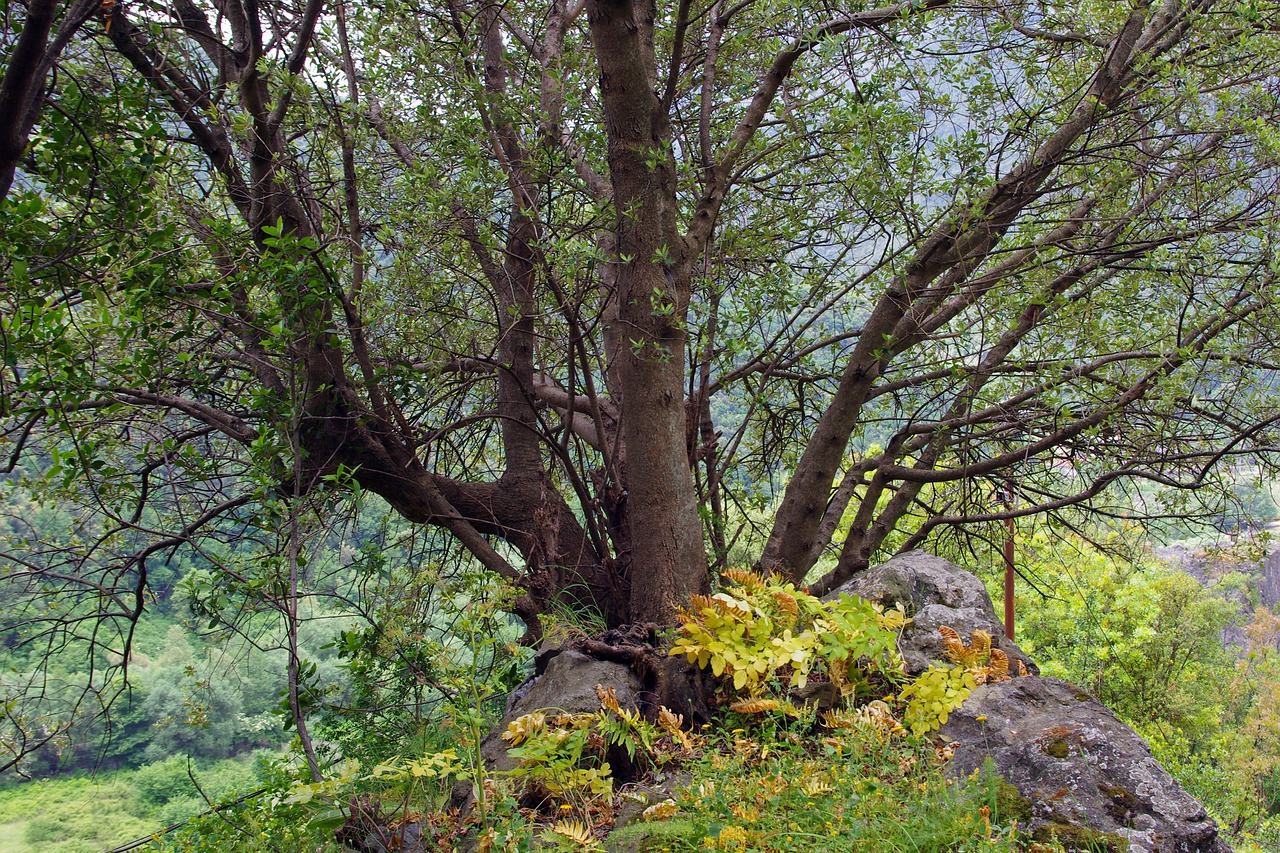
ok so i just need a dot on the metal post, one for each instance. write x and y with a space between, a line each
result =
1008 562
1008 579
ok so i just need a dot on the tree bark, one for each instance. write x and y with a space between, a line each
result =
21 98
668 561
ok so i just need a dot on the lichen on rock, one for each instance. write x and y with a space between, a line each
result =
1089 778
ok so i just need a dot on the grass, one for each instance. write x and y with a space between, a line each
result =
75 815
11 836
796 792
89 815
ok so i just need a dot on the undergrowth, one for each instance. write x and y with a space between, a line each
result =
759 788
778 771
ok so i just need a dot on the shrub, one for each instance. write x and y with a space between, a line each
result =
162 781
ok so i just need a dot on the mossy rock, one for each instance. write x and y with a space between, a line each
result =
1058 748
648 837
1093 782
1079 839
1011 805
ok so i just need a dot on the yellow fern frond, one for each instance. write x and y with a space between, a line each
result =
670 722
755 706
839 720
673 724
998 669
878 714
744 578
608 697
788 603
975 656
874 715
814 787
838 672
764 706
697 603
574 830
1020 668
980 642
952 646
661 811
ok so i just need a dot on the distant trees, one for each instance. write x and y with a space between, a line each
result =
1192 665
592 286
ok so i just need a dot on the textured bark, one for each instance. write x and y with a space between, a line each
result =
668 560
22 87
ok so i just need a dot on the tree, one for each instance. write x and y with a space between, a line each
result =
575 282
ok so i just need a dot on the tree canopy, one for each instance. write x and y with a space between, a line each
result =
604 290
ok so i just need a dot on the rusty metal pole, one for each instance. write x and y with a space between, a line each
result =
1009 562
1008 579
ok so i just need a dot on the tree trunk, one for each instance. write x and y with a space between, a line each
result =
20 95
668 560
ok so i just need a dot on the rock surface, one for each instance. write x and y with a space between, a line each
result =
933 592
1077 766
568 684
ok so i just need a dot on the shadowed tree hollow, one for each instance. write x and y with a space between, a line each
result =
611 290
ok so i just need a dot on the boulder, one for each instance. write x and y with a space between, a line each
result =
1082 776
637 797
933 592
567 684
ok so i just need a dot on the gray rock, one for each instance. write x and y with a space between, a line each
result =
933 592
1076 765
568 684
405 839
638 797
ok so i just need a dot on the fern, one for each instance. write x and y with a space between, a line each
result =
661 811
764 706
998 669
988 665
759 629
743 578
572 831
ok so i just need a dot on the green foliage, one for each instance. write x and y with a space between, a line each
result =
760 629
933 695
435 645
838 793
73 815
1148 642
763 635
564 756
254 327
193 715
162 781
1145 640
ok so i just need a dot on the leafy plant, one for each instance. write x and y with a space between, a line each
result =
933 695
569 835
843 791
562 757
759 630
762 631
939 690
